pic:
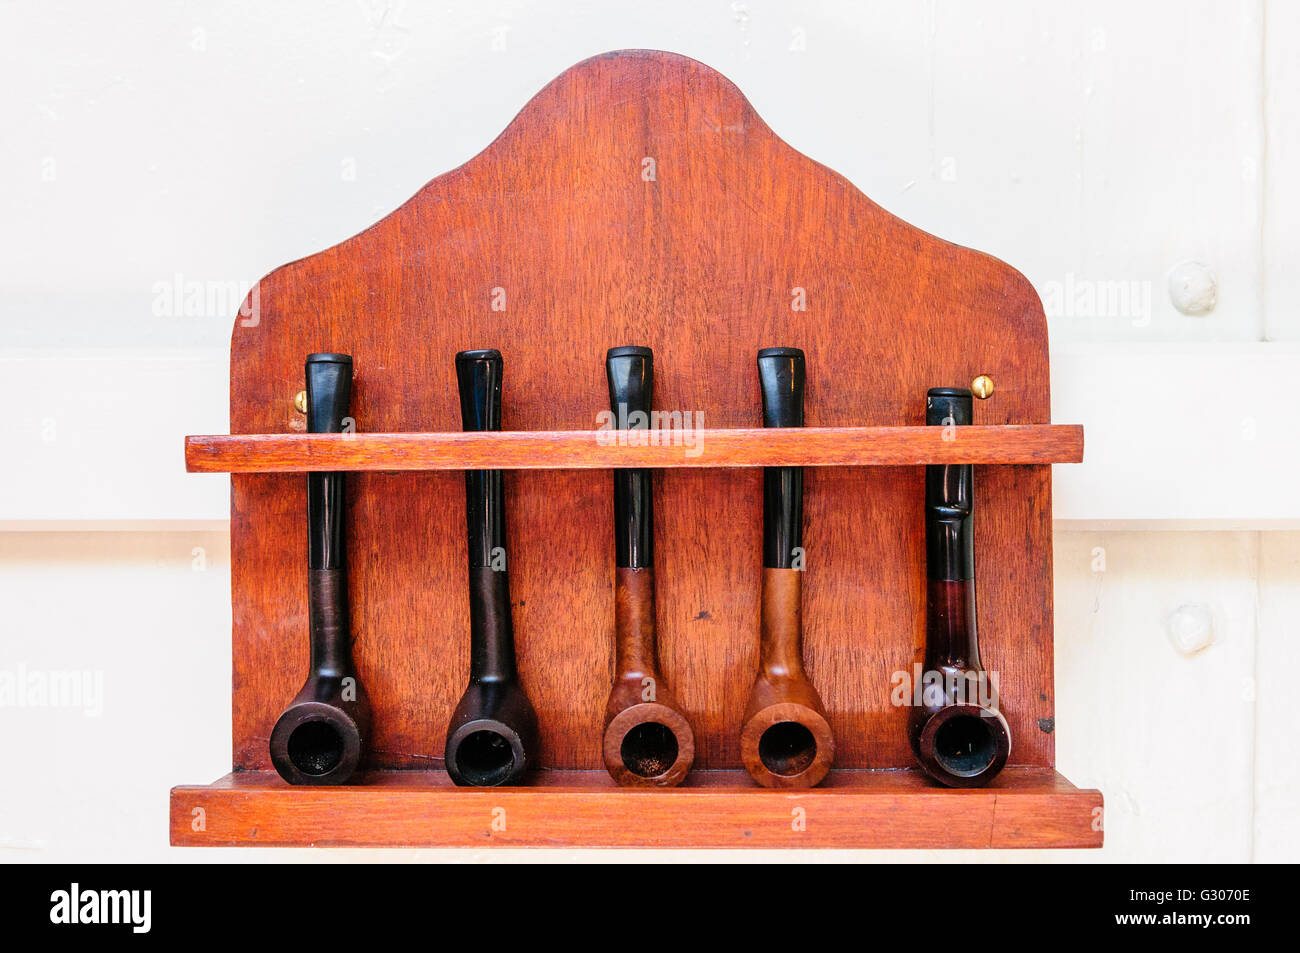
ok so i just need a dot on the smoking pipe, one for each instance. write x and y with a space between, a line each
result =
648 741
785 739
321 736
492 734
957 733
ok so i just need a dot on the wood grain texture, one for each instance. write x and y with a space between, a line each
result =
1023 807
584 450
703 264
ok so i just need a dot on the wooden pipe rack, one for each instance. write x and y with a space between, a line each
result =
559 241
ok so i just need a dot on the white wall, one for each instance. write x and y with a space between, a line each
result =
1098 149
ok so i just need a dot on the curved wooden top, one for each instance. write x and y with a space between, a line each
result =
560 225
701 263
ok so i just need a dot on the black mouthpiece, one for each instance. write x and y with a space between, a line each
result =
781 377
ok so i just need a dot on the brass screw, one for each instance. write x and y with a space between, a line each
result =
300 401
982 387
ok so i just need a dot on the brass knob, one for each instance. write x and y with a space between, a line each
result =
300 401
982 387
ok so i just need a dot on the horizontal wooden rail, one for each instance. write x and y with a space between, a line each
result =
1024 807
599 450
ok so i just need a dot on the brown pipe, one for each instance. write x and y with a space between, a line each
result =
785 739
647 741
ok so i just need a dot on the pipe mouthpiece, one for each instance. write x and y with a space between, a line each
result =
946 406
629 350
329 390
781 376
630 372
478 378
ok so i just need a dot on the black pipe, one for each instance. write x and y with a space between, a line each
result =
320 738
958 732
492 735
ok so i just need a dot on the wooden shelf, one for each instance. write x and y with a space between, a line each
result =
584 450
1024 807
704 276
